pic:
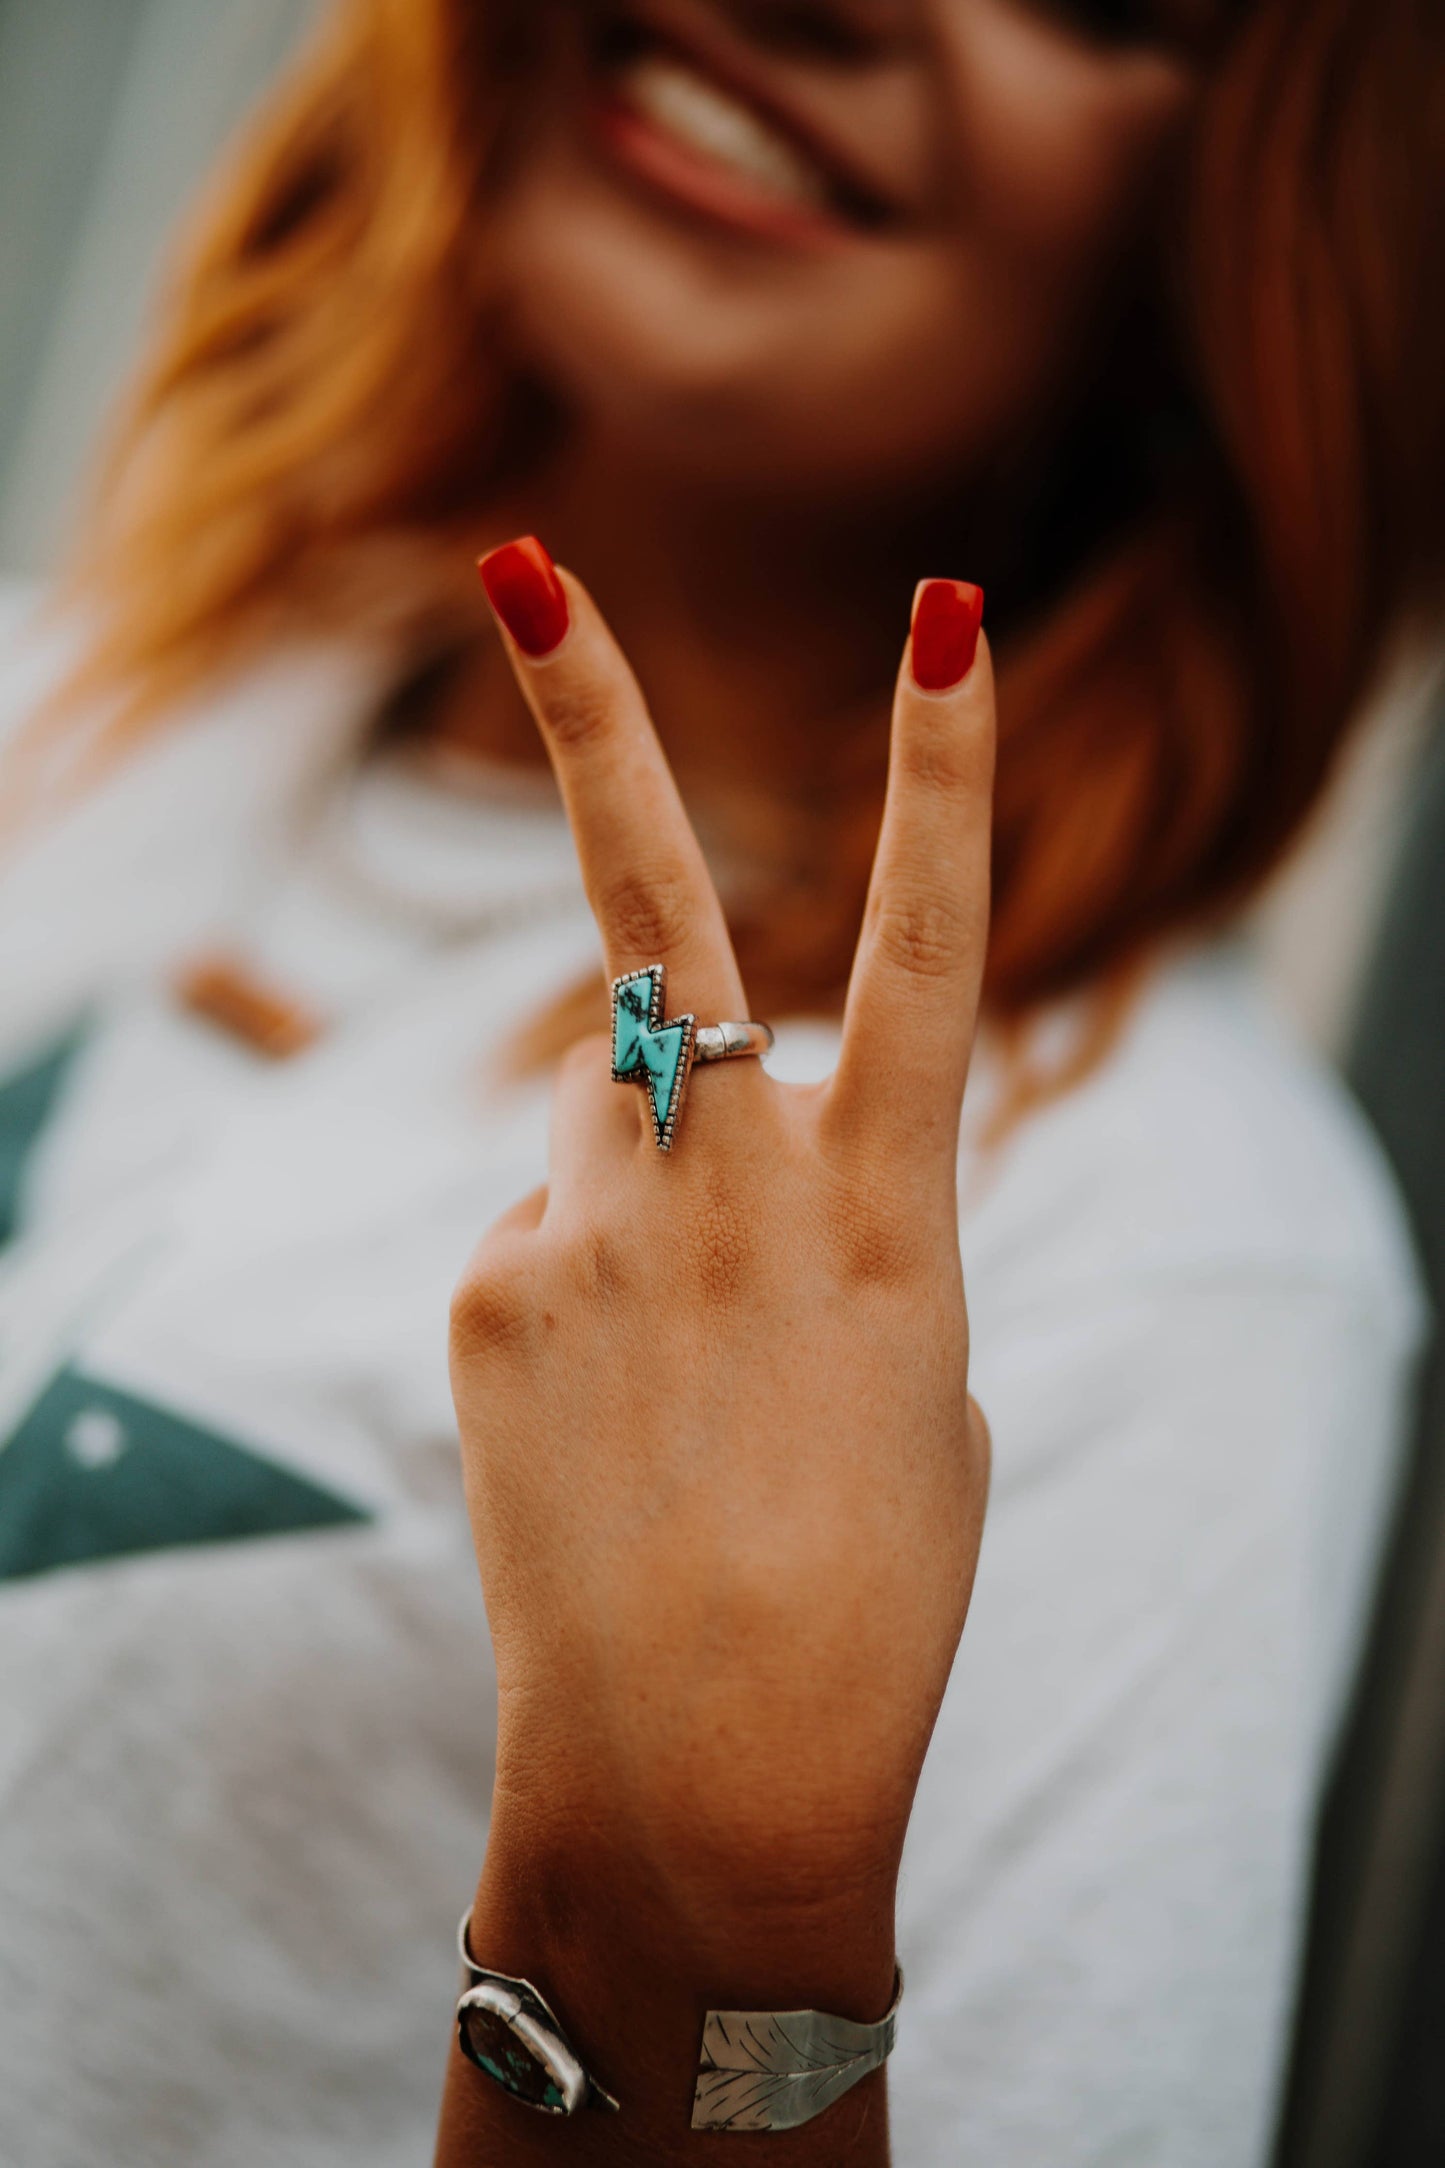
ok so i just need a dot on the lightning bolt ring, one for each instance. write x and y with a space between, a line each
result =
659 1051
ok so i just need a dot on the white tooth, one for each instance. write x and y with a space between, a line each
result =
708 120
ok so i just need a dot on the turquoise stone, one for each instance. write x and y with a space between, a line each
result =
638 1049
631 1022
662 1053
496 2049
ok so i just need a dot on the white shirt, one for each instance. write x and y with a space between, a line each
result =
246 1712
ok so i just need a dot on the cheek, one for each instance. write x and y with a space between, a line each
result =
1048 152
1048 159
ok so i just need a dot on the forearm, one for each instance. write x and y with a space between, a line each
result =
632 1959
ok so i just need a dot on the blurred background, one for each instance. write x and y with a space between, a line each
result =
111 113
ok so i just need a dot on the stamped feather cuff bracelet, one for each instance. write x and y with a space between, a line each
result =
775 2069
758 2070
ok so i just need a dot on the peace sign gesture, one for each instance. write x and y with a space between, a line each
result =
726 1483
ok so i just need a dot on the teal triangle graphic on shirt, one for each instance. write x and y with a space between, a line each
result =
27 1101
637 1047
91 1472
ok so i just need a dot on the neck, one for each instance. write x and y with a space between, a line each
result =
759 631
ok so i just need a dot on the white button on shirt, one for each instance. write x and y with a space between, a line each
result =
245 1695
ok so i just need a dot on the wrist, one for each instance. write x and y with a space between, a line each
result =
736 1809
754 1926
634 1951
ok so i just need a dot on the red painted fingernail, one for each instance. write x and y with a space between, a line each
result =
946 621
524 590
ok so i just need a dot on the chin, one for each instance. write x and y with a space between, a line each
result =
646 335
742 374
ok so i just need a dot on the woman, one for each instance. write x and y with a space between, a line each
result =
760 313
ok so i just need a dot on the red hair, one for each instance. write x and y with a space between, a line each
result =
311 432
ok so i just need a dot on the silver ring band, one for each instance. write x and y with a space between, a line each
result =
730 1042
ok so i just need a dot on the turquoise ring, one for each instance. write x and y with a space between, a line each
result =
659 1051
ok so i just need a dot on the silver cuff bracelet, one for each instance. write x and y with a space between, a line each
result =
758 2070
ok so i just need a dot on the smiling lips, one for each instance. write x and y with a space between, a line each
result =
670 119
681 102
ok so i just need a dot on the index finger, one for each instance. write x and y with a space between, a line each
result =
644 872
912 1006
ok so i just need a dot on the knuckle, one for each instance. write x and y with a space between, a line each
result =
580 715
876 1252
648 913
601 1264
937 762
491 1312
922 937
877 1243
946 752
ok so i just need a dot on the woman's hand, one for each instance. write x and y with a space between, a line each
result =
725 1479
